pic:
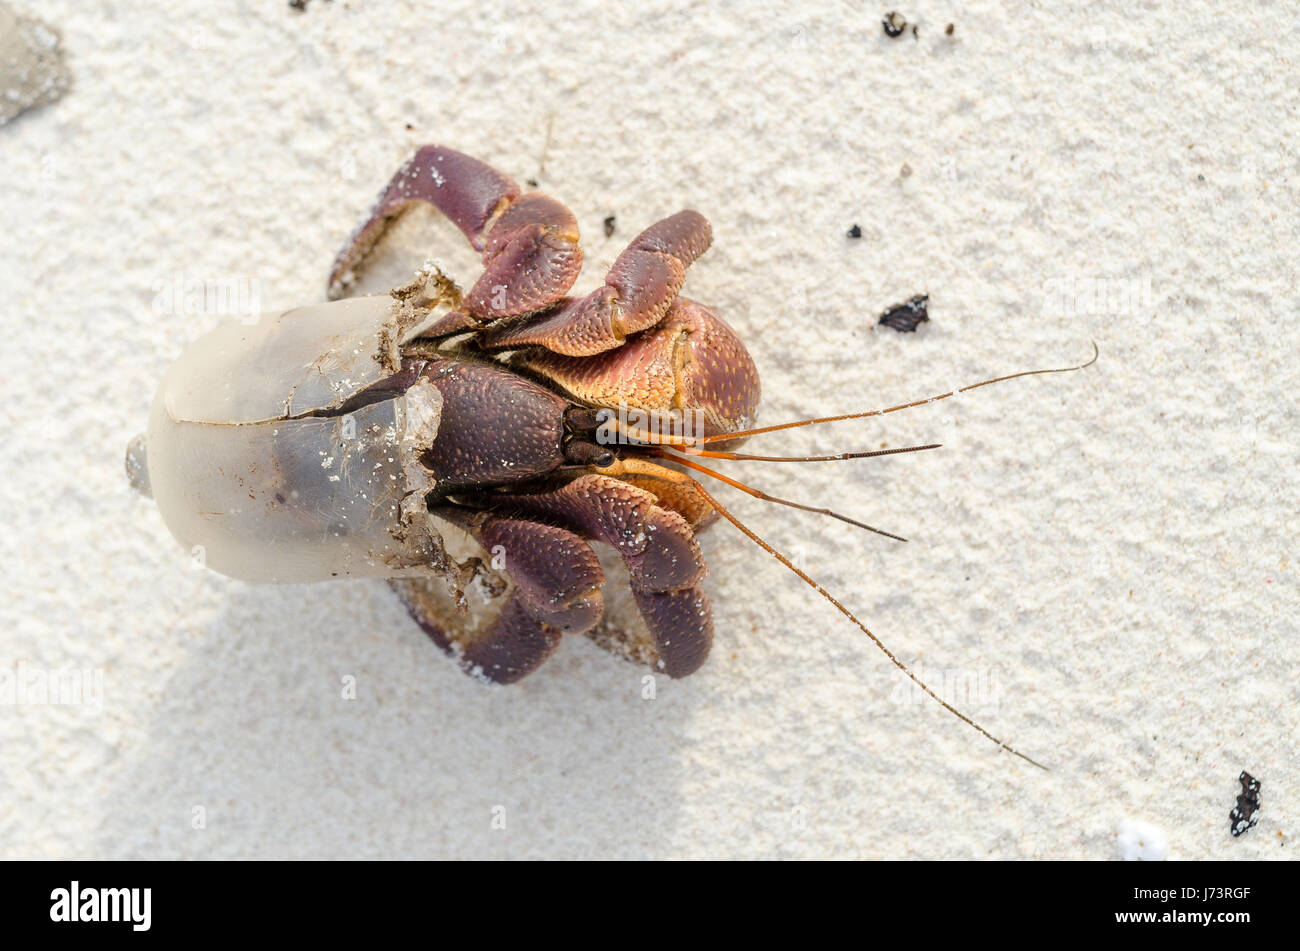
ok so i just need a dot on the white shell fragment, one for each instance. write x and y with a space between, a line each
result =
32 71
301 361
259 473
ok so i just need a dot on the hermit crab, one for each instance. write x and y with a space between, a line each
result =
470 446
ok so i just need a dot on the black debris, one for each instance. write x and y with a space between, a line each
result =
530 182
906 316
948 29
1243 814
894 24
609 226
854 232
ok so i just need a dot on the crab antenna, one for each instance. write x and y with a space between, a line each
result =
747 457
721 437
849 614
772 498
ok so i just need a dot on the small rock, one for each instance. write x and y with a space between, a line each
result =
1243 814
32 71
906 316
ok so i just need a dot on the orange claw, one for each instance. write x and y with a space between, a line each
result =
692 360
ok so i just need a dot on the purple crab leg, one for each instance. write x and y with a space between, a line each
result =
639 290
529 242
663 559
557 590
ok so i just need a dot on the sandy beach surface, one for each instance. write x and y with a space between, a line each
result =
1102 566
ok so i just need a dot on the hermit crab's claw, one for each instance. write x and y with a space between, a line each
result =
529 242
663 561
553 588
691 360
637 293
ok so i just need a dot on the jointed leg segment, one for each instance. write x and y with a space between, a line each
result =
640 287
556 581
529 243
658 547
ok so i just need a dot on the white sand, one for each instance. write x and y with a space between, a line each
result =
1108 556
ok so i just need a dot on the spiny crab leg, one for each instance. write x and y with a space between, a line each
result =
637 293
529 243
